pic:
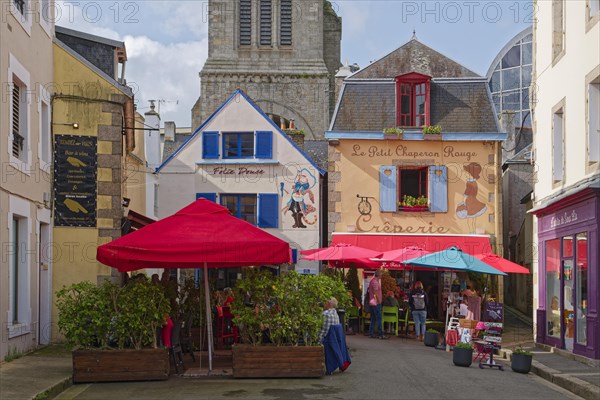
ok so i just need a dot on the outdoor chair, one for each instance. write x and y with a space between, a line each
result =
187 345
353 318
366 320
390 315
406 321
175 350
225 329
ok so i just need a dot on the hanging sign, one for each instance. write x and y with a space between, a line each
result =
75 162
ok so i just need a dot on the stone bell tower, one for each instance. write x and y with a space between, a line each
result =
283 54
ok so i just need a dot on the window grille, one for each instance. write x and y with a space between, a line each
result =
245 22
285 28
266 17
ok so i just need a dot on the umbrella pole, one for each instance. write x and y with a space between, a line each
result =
208 318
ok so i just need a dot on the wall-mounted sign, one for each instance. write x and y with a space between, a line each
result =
75 162
405 151
237 171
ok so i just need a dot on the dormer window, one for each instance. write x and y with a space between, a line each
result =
412 100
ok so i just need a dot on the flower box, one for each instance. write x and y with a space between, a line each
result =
120 365
269 361
392 136
413 208
432 136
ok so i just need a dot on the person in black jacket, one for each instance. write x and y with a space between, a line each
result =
418 305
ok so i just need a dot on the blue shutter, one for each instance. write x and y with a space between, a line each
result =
438 189
208 196
294 256
268 210
210 145
388 193
264 144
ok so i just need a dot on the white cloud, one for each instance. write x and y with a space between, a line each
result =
166 71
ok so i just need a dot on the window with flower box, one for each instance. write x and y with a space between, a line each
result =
413 188
412 100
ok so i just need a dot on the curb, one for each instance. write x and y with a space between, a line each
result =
572 384
55 389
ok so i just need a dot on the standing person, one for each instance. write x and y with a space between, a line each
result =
418 306
330 317
375 300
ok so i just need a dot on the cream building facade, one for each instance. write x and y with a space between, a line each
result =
26 74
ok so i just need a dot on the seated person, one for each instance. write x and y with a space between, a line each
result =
330 317
389 300
228 293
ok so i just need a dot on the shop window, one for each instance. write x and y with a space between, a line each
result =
429 183
18 257
553 266
581 275
412 100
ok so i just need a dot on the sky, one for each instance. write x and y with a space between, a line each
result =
167 41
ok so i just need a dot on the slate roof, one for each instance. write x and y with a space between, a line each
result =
316 150
414 56
458 105
171 146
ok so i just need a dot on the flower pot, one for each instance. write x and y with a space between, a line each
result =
432 136
521 363
431 339
462 357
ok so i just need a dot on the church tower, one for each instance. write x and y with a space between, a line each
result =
282 53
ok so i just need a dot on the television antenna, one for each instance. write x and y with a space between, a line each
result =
159 101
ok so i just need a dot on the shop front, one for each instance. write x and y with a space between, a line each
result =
567 316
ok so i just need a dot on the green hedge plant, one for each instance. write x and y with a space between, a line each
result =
109 316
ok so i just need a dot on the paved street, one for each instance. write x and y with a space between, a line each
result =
381 369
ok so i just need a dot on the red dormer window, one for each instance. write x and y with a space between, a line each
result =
412 99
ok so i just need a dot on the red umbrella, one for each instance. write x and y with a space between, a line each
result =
201 234
394 259
502 264
340 252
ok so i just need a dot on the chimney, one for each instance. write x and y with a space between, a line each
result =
170 131
342 73
152 137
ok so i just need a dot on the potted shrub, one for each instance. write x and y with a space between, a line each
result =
432 132
112 331
279 319
431 338
393 132
462 354
521 360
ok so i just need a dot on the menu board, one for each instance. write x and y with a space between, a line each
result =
494 312
75 162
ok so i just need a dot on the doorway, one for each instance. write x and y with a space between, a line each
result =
45 286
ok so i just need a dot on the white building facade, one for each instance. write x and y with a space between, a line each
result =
26 73
566 115
239 158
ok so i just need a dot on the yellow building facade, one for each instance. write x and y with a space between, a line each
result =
92 123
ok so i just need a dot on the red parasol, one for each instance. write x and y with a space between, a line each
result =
502 264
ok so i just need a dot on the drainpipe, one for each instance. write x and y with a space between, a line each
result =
498 219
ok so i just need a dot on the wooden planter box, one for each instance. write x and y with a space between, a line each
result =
432 136
120 365
392 136
278 362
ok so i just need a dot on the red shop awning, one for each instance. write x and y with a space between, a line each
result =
471 244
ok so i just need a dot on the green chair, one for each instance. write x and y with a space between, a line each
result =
352 314
406 321
366 320
390 315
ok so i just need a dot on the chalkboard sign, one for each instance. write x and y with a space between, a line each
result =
494 312
75 162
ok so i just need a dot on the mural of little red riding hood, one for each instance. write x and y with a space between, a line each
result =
297 204
470 207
